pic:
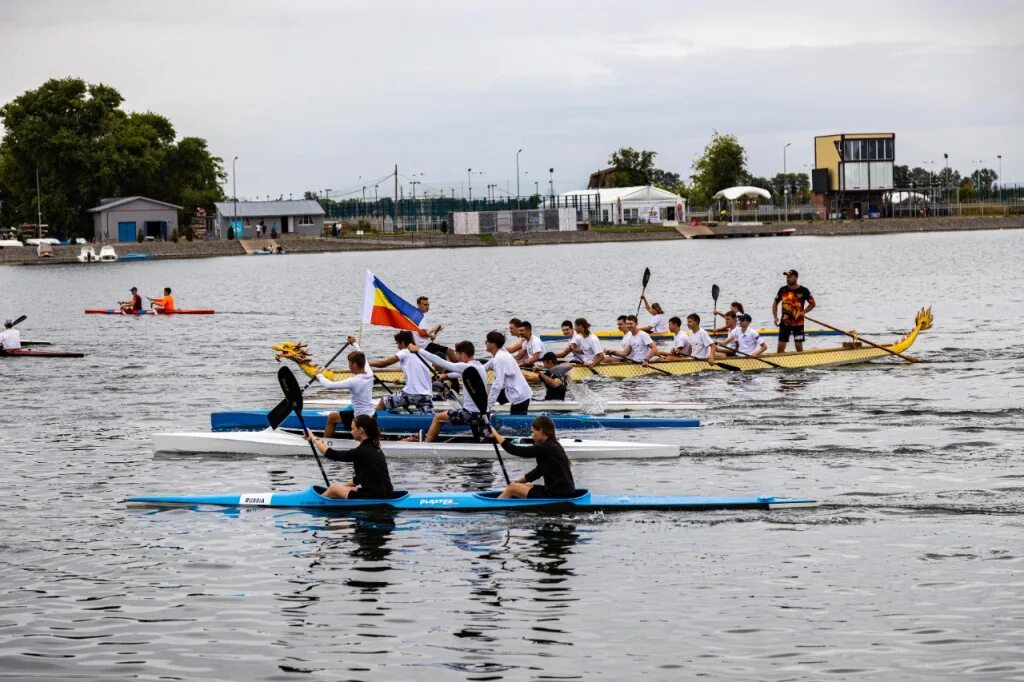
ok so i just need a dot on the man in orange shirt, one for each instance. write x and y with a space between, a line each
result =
164 304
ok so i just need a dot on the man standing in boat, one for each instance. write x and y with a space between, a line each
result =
796 302
425 335
509 383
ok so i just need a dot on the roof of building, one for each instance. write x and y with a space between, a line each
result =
734 193
262 209
639 193
114 202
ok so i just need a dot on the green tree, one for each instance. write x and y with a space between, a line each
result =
85 148
723 164
633 168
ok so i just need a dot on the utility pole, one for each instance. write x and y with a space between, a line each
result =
234 193
39 208
394 209
327 200
517 172
785 182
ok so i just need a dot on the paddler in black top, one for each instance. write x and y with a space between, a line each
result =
371 480
552 464
554 376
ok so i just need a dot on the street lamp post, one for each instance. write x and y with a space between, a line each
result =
517 173
414 183
469 182
1000 178
785 182
551 182
234 192
327 200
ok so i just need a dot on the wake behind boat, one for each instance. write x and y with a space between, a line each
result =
277 443
250 420
312 498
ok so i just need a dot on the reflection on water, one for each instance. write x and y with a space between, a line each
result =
910 570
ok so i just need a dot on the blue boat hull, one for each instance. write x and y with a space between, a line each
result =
311 498
255 420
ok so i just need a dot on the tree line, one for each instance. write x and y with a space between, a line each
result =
85 147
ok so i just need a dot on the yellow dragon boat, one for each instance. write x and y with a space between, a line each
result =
851 352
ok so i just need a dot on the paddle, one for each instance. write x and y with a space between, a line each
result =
19 320
753 357
284 408
714 297
293 394
474 385
861 338
637 362
647 278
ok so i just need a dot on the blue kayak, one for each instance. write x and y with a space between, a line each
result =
397 422
312 498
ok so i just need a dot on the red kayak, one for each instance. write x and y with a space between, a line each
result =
117 311
26 352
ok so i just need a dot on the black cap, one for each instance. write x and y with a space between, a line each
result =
744 316
791 272
133 289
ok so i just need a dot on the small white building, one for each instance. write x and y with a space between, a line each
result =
293 216
629 205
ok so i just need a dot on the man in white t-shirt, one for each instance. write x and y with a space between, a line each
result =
417 392
359 386
468 414
10 338
569 352
659 322
728 345
509 384
637 344
747 339
532 348
701 345
681 347
584 346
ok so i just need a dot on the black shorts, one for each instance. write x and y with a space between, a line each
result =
348 416
539 490
786 330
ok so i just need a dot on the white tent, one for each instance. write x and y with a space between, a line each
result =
913 197
734 193
643 203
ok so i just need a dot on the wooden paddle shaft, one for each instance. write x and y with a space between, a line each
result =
890 351
752 357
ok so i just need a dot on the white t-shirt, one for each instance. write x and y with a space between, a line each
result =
748 341
730 338
457 369
639 345
533 346
681 341
418 338
10 339
509 377
589 346
700 342
659 324
417 373
360 386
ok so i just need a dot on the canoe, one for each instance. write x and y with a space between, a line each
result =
117 311
396 422
616 335
29 353
278 443
850 353
555 405
312 498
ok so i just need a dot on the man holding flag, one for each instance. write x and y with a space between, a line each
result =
381 306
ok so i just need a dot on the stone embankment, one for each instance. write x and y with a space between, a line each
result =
374 242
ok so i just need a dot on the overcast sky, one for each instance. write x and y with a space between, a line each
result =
313 94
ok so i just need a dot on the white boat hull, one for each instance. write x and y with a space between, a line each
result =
559 406
284 444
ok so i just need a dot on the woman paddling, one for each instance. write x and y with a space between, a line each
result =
552 464
371 479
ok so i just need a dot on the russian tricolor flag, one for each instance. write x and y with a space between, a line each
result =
384 307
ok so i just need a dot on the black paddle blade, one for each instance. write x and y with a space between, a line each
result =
647 277
731 368
280 412
474 385
290 387
714 292
19 320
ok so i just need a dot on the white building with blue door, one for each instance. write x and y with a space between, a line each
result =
119 219
291 216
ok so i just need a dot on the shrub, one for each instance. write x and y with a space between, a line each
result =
273 233
175 236
231 233
189 234
140 236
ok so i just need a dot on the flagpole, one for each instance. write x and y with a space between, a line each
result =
360 333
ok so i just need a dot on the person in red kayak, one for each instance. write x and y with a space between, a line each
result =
133 306
10 338
164 304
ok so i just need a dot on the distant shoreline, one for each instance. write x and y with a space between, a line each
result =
375 242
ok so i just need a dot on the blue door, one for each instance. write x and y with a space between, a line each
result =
126 232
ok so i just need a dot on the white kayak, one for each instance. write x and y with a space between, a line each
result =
557 405
278 443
